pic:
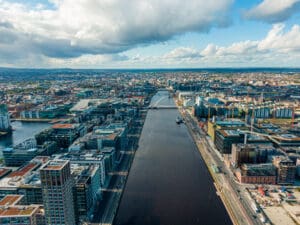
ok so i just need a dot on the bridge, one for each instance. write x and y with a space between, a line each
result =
157 106
163 107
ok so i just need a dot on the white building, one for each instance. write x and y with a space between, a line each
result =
4 118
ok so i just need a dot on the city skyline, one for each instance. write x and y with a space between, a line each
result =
149 34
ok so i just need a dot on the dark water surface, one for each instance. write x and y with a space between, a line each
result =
169 183
22 131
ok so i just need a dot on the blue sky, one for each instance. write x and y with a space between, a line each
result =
149 33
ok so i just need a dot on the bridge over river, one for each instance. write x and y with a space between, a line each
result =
157 104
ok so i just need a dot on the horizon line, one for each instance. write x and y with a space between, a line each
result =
154 68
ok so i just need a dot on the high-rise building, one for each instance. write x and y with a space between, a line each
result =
4 118
57 186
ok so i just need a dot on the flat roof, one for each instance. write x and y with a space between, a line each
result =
18 211
24 170
10 200
229 123
63 126
226 133
55 165
8 207
84 104
4 171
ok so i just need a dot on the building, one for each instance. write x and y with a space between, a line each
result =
225 138
256 173
4 118
46 112
283 112
87 190
85 106
57 186
65 134
113 135
26 151
286 139
10 183
286 170
261 112
213 126
13 212
242 153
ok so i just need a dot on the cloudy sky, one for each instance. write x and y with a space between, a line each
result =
149 33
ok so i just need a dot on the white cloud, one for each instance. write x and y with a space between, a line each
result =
274 10
278 48
182 52
75 28
278 40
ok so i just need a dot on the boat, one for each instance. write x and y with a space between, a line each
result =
179 120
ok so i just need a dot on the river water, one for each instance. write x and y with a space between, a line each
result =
22 131
169 183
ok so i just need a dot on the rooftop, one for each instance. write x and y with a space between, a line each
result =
8 207
230 123
10 200
85 104
55 165
4 171
227 133
63 126
24 170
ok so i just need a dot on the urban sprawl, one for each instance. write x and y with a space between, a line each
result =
245 125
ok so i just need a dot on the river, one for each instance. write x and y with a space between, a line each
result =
22 131
169 183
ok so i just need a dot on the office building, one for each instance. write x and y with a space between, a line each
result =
26 151
225 138
57 186
242 153
87 191
13 212
213 126
4 118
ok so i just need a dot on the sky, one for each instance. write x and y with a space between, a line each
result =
149 33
